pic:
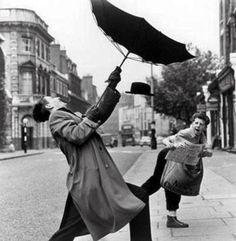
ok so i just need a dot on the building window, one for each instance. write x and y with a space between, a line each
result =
42 51
26 86
38 47
60 90
54 85
65 90
57 86
37 84
47 54
27 44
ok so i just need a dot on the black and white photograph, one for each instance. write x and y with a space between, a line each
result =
94 98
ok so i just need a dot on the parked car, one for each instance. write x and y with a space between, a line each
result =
109 140
145 140
159 140
137 140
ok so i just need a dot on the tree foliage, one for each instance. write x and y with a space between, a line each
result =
175 95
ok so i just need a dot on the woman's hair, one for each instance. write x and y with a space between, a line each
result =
201 115
40 112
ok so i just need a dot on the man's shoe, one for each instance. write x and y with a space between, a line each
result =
173 222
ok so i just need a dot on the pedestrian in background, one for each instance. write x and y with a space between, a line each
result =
99 201
194 134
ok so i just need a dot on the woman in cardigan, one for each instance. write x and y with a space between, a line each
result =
194 134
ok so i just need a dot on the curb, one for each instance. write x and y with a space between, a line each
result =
21 155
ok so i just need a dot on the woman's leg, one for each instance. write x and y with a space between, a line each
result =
172 200
172 205
153 183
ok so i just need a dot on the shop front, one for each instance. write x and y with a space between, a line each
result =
226 83
213 107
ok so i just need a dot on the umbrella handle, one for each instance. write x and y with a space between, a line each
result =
124 59
120 67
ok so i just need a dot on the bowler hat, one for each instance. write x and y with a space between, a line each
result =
140 89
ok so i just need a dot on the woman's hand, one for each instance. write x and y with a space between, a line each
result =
205 153
171 146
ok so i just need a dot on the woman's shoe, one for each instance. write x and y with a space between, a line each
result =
173 222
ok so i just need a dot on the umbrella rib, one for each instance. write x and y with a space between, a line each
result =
113 42
118 47
120 50
108 37
140 59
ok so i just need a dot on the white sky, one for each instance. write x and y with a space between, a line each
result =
72 25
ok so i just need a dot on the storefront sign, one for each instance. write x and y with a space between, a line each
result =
201 107
212 106
226 81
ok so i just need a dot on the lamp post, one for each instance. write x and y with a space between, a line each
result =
153 126
153 137
25 121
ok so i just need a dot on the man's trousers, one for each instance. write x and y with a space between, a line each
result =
72 224
153 183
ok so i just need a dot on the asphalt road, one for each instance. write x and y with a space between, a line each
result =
33 192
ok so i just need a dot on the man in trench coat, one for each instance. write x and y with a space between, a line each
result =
99 201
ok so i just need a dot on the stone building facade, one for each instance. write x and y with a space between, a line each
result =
68 68
31 72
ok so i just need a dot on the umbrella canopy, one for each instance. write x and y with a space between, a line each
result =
137 35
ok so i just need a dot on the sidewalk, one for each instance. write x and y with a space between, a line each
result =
211 215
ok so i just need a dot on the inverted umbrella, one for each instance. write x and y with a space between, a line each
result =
137 36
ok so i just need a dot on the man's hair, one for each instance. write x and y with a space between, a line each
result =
40 112
201 115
